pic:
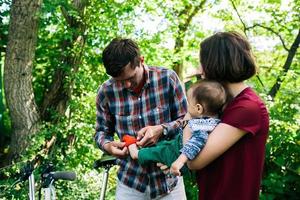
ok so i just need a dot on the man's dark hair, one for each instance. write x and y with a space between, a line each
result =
210 94
118 54
227 57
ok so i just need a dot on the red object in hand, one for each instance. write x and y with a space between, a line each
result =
129 140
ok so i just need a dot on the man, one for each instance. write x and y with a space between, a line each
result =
141 101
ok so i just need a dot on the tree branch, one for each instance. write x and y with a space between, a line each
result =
257 25
286 66
291 52
239 16
271 30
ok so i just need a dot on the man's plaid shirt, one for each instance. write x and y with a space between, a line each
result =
119 110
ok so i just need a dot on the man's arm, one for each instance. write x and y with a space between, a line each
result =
177 104
105 128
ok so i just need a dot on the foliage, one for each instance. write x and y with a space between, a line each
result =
4 118
74 148
282 174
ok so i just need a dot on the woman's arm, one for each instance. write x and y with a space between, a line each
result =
219 140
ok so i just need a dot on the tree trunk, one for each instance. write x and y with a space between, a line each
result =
187 13
18 64
60 90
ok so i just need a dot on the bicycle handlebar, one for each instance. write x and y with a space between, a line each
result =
64 175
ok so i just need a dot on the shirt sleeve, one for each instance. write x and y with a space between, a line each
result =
104 120
245 115
195 144
177 104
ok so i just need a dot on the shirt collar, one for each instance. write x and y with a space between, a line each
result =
147 77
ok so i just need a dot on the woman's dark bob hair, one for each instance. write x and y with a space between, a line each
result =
227 57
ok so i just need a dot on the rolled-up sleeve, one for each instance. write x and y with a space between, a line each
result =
104 120
177 102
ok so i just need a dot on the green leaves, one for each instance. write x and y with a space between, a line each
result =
270 25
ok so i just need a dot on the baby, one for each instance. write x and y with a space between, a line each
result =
205 102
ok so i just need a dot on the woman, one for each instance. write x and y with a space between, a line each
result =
231 163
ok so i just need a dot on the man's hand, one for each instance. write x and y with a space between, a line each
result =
116 149
149 135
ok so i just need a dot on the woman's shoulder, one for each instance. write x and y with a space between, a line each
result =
245 110
247 105
247 99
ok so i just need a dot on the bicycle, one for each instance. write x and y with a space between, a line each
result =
106 162
49 176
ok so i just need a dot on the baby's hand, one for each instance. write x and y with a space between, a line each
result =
175 168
